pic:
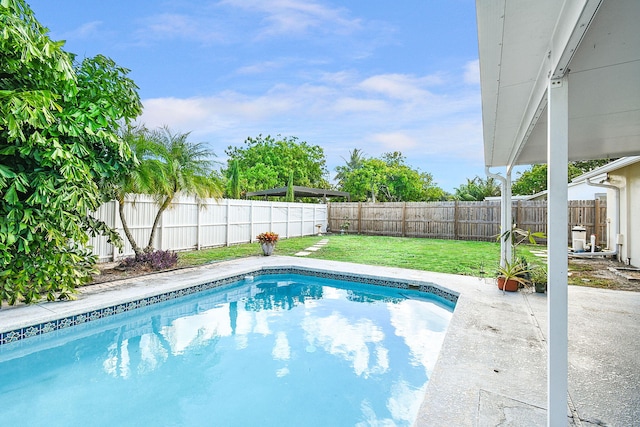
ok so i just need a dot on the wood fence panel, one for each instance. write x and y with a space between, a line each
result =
459 220
590 215
531 215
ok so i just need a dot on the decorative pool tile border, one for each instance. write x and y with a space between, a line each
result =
78 319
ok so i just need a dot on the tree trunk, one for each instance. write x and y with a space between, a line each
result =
127 232
164 206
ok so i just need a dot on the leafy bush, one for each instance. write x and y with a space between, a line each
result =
156 260
47 271
58 147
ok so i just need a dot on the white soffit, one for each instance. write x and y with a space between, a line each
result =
522 43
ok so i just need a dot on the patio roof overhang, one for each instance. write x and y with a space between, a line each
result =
560 81
594 44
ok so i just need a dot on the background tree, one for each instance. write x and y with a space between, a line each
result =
477 189
290 196
267 162
58 141
389 179
233 180
534 179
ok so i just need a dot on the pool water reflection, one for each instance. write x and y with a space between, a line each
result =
280 350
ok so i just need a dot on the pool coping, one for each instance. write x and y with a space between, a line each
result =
50 322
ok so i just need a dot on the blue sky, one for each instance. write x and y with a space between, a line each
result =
370 74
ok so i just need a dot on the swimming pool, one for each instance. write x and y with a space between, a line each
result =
279 350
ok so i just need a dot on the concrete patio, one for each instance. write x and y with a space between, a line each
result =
492 367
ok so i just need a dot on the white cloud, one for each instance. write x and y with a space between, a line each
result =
472 72
261 67
297 16
422 329
355 105
405 400
179 26
338 336
399 86
281 349
395 141
340 111
87 30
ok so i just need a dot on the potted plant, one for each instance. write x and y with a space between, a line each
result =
344 226
517 272
514 274
268 241
518 235
539 278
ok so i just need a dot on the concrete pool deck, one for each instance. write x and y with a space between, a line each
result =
492 366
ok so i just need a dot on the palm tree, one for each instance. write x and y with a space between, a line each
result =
356 160
143 174
477 189
186 169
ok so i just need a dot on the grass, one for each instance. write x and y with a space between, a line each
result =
444 256
283 247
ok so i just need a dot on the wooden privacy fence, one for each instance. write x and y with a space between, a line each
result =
460 220
189 224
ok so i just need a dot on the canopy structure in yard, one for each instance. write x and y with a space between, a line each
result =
300 192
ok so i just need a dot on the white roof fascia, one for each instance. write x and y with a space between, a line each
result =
569 29
609 167
571 26
573 23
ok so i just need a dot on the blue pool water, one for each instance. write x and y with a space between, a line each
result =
283 350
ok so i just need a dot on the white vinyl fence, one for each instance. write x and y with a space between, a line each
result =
189 224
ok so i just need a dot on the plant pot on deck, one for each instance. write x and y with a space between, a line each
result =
541 288
508 285
267 248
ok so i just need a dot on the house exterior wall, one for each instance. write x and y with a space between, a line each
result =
628 180
583 191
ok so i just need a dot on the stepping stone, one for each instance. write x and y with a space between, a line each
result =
541 254
313 249
303 253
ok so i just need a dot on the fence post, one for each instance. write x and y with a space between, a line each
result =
251 222
271 216
198 237
227 228
404 219
328 206
160 244
314 220
359 217
288 219
116 212
596 221
455 220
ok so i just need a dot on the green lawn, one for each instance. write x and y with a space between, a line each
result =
445 256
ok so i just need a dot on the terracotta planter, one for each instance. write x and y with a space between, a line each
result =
510 286
267 248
